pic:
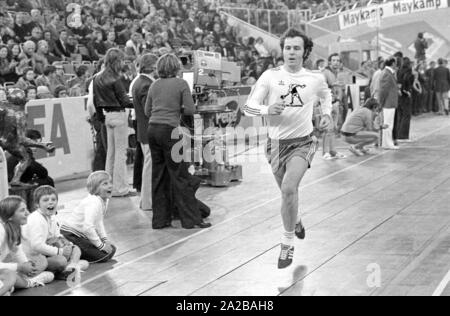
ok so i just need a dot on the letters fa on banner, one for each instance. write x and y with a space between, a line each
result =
58 132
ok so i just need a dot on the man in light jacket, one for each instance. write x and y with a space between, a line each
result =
389 94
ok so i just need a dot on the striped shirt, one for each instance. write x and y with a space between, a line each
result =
298 91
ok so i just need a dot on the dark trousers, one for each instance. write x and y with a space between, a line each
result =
416 103
173 187
403 118
137 169
138 163
89 252
101 141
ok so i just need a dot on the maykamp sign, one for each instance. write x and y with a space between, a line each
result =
389 9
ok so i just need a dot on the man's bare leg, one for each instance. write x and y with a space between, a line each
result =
295 171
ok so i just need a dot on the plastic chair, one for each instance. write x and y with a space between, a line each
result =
9 85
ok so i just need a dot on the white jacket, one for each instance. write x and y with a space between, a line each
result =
86 221
37 231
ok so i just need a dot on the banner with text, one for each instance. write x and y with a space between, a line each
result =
374 14
63 122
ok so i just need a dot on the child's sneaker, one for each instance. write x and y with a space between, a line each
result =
64 275
366 151
355 151
41 279
83 265
339 156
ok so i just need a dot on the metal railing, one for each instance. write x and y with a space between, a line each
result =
272 21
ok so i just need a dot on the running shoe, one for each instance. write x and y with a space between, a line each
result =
328 156
286 256
366 151
300 231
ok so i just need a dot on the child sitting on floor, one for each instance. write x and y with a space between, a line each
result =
85 226
13 215
42 237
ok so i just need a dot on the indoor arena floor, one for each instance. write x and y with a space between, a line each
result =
376 225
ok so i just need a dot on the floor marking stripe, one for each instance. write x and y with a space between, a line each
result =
441 288
232 218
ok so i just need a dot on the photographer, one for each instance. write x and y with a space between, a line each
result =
421 46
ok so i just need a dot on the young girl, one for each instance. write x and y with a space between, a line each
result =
42 236
13 215
85 226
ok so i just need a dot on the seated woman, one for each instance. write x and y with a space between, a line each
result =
359 129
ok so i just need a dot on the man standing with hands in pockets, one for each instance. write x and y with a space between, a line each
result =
291 91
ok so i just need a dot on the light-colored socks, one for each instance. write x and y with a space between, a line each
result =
288 238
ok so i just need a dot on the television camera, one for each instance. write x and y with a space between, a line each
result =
212 81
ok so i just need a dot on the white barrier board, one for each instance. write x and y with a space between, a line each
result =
3 175
63 122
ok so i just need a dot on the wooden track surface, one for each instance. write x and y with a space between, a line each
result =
383 215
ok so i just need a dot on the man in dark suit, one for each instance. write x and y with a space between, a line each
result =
61 49
441 84
429 79
389 94
139 90
226 49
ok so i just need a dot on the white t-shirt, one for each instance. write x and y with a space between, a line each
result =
298 91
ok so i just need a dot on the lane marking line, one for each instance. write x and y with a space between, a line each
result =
232 218
443 285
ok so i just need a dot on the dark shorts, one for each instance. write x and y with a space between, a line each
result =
89 252
280 152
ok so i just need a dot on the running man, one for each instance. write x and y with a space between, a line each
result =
291 146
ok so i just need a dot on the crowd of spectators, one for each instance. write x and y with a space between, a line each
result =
53 51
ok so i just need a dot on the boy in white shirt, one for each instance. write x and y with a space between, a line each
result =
42 236
290 91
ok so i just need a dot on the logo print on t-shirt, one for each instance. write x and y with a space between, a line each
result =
294 92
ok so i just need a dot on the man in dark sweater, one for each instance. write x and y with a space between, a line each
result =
441 84
420 45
